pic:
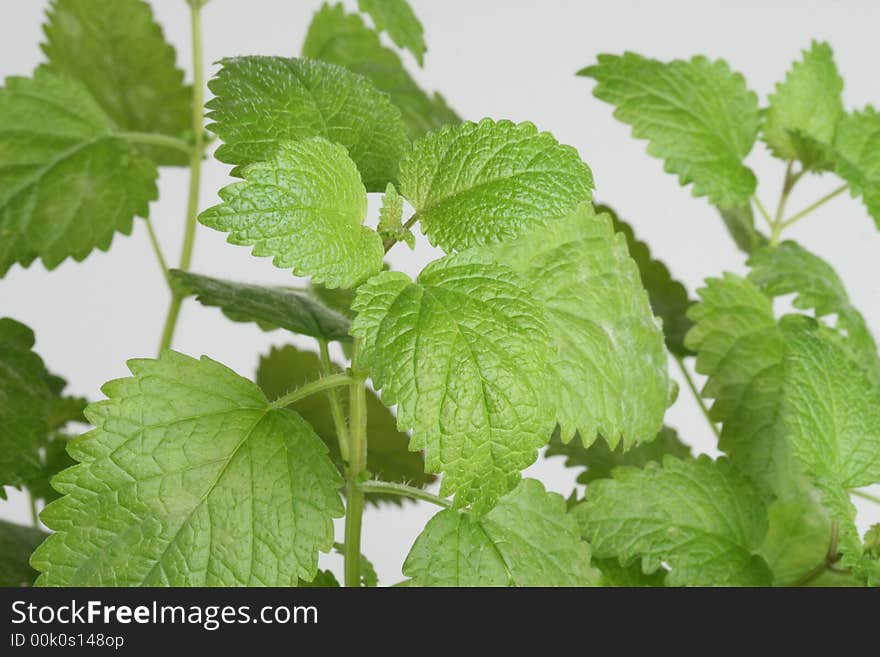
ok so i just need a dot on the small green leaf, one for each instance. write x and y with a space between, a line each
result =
16 545
701 518
464 353
69 182
323 580
808 104
669 298
629 576
391 216
343 39
305 206
856 156
609 375
117 50
479 183
397 18
528 539
260 102
190 478
388 456
600 460
697 115
270 307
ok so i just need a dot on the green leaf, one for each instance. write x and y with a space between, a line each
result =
629 576
261 102
479 183
669 298
343 39
117 50
270 307
190 478
832 418
396 18
305 206
324 579
791 269
807 104
740 223
600 460
856 156
388 457
68 183
390 219
16 545
609 375
464 353
701 518
528 539
53 458
697 115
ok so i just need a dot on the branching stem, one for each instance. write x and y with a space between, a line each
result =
832 556
339 422
693 387
357 464
391 488
311 388
807 210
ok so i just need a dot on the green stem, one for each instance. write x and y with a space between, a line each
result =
832 556
763 211
35 515
409 224
696 393
807 210
195 173
325 383
787 185
157 249
335 403
391 488
357 464
866 496
156 139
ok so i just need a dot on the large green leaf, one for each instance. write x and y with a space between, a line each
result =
479 183
117 50
697 115
388 456
270 307
464 352
343 39
68 182
856 156
526 540
304 206
260 102
702 519
190 478
609 375
16 545
397 18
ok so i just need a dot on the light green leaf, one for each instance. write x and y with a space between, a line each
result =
390 219
831 414
117 50
669 298
388 456
697 115
609 375
67 182
526 540
479 183
464 353
807 104
600 460
856 156
791 269
701 518
396 18
343 39
323 580
190 478
261 102
305 206
270 307
16 545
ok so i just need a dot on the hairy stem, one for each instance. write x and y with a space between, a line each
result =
357 464
195 173
807 210
866 496
409 224
157 249
335 402
696 393
403 490
832 556
311 388
763 211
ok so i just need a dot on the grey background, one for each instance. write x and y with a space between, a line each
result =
511 60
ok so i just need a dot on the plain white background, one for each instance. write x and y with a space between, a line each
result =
506 59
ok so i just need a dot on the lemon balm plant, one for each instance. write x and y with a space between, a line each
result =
547 322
